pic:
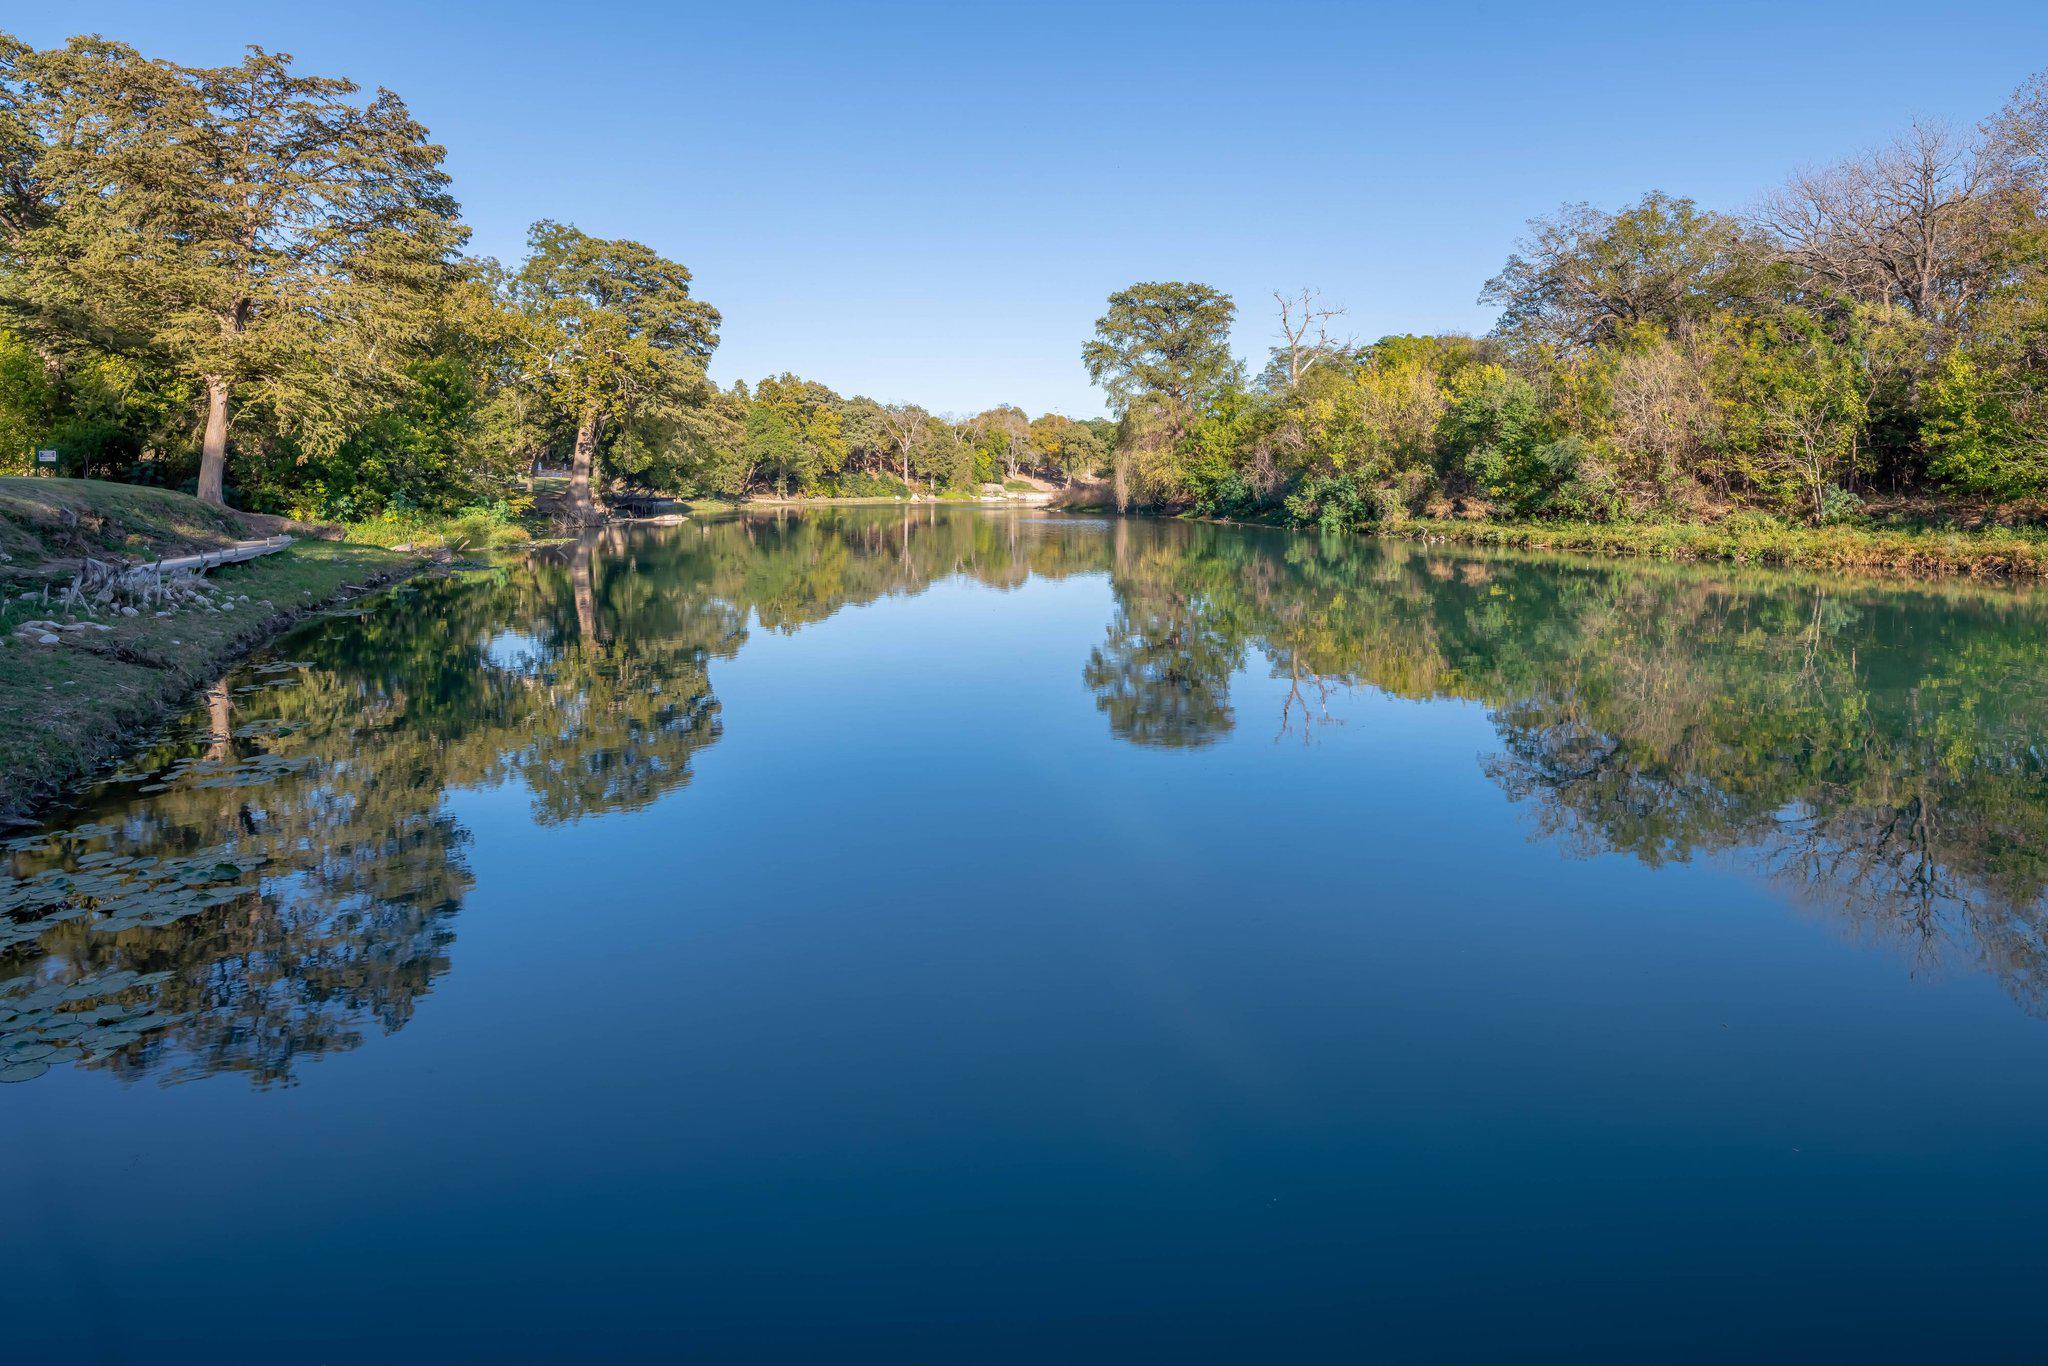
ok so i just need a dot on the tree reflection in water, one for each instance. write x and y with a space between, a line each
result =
279 877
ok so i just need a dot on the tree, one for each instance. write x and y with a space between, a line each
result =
1163 346
909 428
1798 401
23 128
1004 433
1986 421
1912 225
261 232
2016 141
711 453
1374 418
866 428
800 435
1304 323
941 458
773 446
1661 413
1065 447
1583 276
613 333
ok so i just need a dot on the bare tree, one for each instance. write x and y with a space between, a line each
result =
1300 316
1911 224
2016 143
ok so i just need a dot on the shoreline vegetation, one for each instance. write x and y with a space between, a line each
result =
1996 553
2000 553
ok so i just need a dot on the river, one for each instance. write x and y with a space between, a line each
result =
957 935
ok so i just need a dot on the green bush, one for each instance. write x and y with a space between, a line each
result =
1224 494
1976 440
1567 479
858 484
1839 507
1342 502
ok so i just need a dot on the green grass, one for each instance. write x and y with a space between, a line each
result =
46 519
1990 553
67 708
470 529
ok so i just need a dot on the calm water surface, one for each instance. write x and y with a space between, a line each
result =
955 936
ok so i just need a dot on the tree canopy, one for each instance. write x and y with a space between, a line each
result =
264 235
612 335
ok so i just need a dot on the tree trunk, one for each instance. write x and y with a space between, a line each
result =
581 507
583 582
1121 465
220 723
213 450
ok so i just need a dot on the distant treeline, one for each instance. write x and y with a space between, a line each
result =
251 282
1873 330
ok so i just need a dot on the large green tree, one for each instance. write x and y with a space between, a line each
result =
1584 276
794 432
1162 350
613 337
266 234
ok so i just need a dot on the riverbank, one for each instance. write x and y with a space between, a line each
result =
78 689
1904 551
1995 553
1012 499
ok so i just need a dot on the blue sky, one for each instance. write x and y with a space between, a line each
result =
929 202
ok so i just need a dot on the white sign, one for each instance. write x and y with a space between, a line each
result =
46 457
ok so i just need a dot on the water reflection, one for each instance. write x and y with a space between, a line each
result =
278 878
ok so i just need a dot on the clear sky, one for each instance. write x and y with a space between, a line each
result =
929 202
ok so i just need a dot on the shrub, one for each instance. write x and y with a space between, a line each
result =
1224 494
1495 421
1341 502
1838 507
1567 479
1978 438
858 484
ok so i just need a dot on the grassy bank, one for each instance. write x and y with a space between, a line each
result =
49 519
1993 553
79 691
